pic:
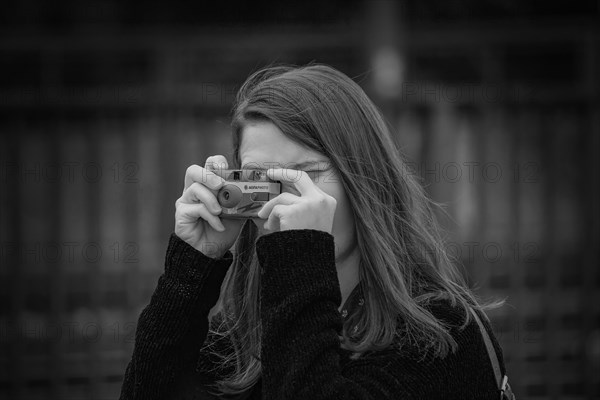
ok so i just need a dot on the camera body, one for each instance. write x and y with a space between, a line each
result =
245 192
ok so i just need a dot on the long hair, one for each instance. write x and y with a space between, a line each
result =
403 264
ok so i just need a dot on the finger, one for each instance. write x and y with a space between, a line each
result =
200 193
216 162
282 199
274 218
300 179
196 173
192 212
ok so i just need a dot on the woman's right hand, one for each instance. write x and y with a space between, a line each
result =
197 211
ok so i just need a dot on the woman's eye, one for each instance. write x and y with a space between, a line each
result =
322 172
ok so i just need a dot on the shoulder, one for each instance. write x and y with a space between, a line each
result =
452 316
464 373
469 337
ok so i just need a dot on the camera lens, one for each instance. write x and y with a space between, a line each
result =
229 196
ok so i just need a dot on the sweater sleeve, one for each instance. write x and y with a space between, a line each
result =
301 354
174 325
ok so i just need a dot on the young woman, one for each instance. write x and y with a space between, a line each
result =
340 289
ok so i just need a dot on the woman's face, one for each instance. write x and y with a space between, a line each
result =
264 146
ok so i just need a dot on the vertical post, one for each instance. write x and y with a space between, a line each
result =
385 43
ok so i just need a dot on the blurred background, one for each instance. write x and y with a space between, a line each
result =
104 104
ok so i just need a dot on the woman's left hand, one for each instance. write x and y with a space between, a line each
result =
313 209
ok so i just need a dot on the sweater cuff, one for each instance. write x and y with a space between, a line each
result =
296 246
185 263
297 258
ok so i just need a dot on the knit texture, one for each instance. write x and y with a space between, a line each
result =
301 356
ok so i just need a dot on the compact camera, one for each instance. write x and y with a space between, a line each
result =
245 192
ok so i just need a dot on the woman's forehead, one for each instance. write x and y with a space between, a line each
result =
264 146
265 137
304 165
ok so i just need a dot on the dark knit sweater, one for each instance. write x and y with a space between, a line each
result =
301 356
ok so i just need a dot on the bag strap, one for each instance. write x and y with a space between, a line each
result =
500 380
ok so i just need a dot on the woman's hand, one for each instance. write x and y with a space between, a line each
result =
313 209
197 210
